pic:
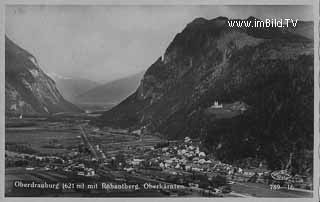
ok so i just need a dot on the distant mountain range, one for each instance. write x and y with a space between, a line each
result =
27 88
71 87
111 92
261 80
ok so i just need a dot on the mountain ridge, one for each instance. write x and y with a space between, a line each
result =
113 91
71 87
27 88
269 70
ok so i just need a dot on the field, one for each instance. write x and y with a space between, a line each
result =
60 134
96 107
114 143
38 139
45 137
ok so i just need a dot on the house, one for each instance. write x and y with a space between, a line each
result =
40 158
197 169
195 159
129 169
136 162
202 154
216 105
191 147
187 167
164 149
187 139
183 151
66 169
208 161
248 173
241 106
90 172
47 168
202 161
81 173
197 150
168 161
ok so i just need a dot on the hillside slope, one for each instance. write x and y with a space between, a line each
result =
27 88
70 88
111 92
263 75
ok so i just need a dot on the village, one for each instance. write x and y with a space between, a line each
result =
123 156
174 162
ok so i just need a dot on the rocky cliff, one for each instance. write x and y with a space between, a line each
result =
27 88
262 79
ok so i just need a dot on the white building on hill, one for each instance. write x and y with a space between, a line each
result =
216 105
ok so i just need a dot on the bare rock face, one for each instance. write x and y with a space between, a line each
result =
269 71
27 88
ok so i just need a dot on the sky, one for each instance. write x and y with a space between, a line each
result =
103 43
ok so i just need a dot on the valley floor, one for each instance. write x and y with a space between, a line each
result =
82 159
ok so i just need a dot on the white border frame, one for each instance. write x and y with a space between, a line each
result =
314 3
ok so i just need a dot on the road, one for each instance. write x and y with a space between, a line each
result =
238 189
87 142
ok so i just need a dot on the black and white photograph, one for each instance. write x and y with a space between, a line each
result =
159 101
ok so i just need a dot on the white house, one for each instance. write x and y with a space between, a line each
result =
202 154
187 139
216 105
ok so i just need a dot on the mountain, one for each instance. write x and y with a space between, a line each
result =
27 88
112 92
247 93
303 29
70 87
